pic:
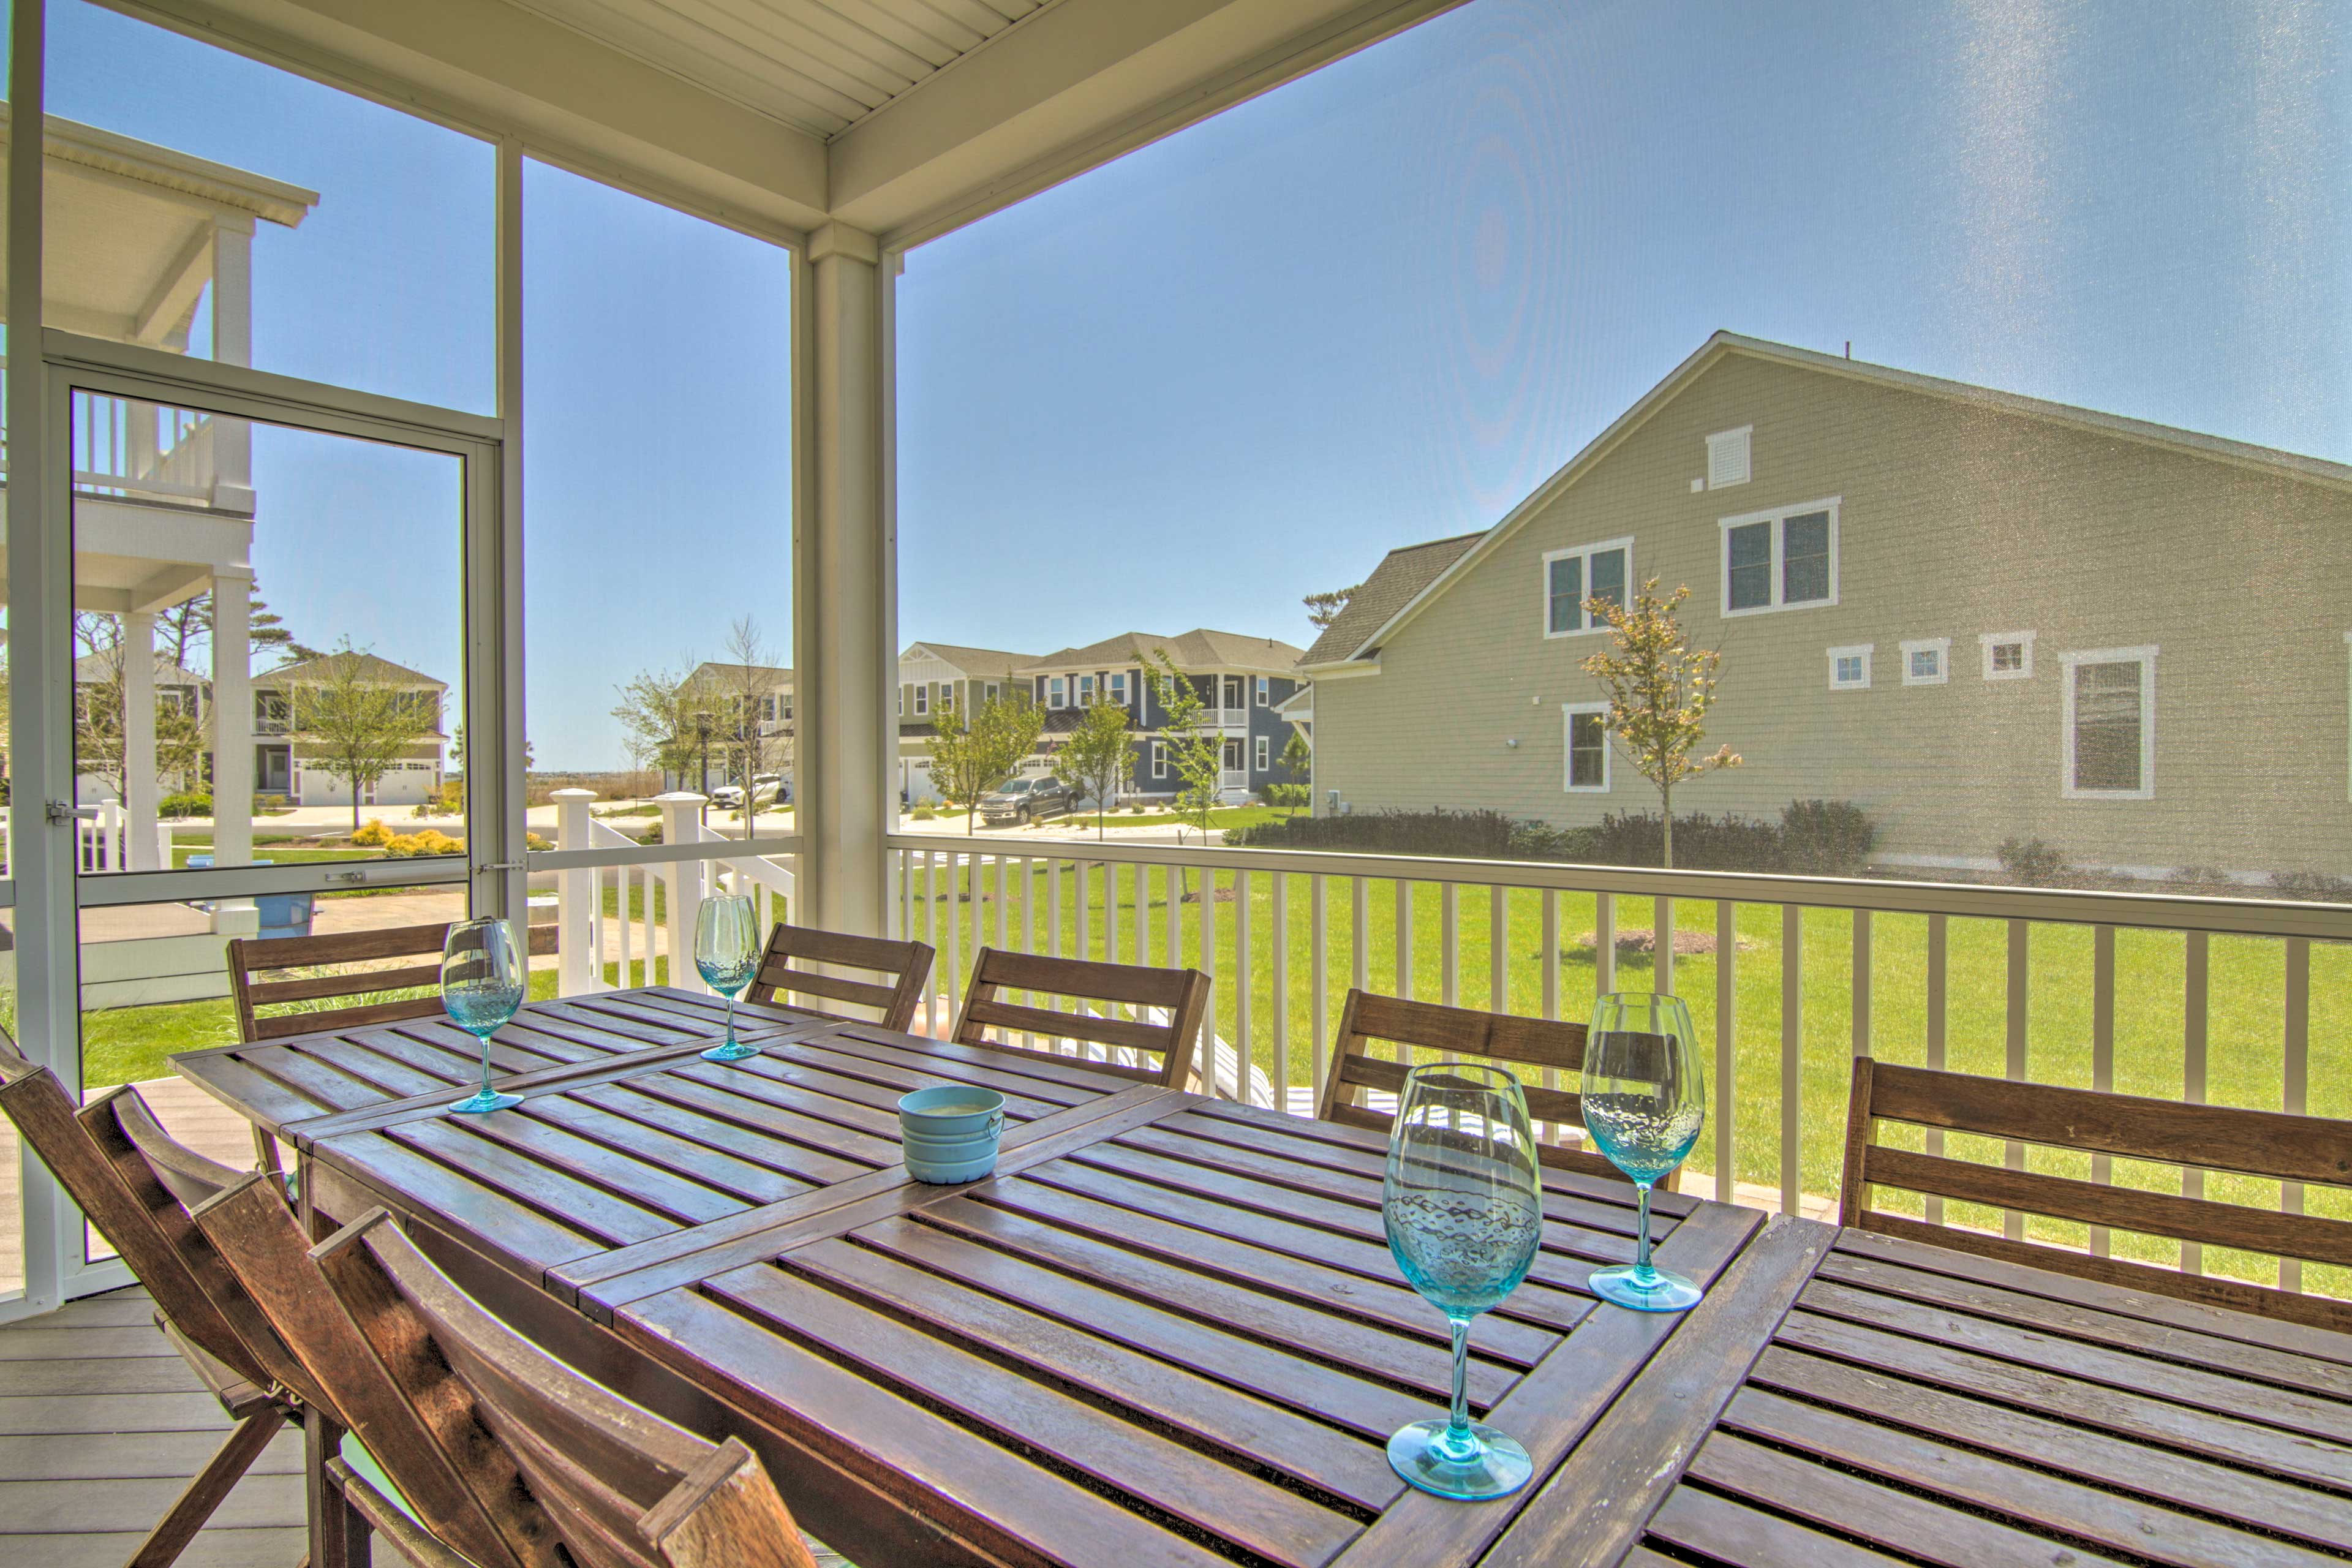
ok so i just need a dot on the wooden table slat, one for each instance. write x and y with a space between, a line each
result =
1733 1532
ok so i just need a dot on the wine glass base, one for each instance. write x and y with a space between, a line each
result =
476 1104
735 1051
1497 1467
1661 1292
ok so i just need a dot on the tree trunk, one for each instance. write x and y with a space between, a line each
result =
1667 808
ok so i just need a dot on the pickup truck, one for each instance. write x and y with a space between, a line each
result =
1025 800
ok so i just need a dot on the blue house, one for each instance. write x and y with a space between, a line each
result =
1241 680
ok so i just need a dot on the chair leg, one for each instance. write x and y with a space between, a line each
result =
339 1536
205 1492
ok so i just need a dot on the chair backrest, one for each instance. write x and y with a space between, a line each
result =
1466 1032
628 1489
905 968
2310 1149
360 966
46 1116
1181 998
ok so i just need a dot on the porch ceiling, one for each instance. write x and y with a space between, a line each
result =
903 118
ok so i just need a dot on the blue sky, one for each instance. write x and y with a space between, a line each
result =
1376 306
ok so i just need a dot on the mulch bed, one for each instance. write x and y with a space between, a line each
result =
1643 940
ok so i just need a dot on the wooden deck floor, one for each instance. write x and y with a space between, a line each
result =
100 1426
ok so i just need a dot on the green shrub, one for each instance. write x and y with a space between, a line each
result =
186 803
1825 837
533 841
2317 886
923 814
1725 842
373 835
2030 863
1292 795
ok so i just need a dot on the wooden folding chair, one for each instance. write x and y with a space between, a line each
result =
2198 1137
905 968
358 965
1179 995
197 1299
555 1469
1501 1037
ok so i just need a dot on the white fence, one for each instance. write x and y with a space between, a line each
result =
618 921
1789 977
102 839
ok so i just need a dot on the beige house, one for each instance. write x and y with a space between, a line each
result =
1977 615
932 674
289 760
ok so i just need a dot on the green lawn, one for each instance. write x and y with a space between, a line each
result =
2246 1016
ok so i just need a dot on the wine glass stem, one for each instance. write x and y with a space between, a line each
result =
485 1065
1642 1267
730 1017
1457 1427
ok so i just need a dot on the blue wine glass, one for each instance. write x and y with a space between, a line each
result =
727 952
482 978
1644 1102
1464 1211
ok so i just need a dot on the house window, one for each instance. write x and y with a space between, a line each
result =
1265 691
1119 686
2008 656
2110 724
1928 661
1588 572
1233 692
923 698
1265 754
1055 697
1849 667
1086 692
1588 746
1726 458
1781 560
1158 759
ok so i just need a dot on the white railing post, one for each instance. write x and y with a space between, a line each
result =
579 967
681 826
109 836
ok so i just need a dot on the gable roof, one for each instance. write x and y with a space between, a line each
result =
1722 345
1401 573
970 660
710 672
1199 648
328 665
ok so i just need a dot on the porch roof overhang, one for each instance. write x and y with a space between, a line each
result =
782 116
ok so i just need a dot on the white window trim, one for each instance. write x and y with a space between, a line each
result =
1543 583
1941 648
1775 516
2146 657
922 699
1987 641
1568 712
1859 650
1264 688
1056 694
1747 431
1262 755
1159 759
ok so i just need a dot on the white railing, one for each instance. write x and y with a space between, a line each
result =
624 924
126 446
103 839
1789 977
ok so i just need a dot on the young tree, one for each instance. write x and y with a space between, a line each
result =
1193 747
1660 689
102 710
1324 608
1297 759
362 723
745 679
972 753
1101 755
667 721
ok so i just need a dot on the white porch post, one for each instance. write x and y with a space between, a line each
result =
233 344
140 796
579 967
232 717
841 569
681 826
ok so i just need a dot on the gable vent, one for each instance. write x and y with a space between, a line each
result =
1726 458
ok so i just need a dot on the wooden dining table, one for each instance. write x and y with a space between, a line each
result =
1168 1330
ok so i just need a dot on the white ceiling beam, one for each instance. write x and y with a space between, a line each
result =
497 70
1074 86
167 588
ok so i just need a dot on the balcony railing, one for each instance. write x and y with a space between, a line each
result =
1789 977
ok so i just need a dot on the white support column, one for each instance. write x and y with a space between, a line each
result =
577 965
232 717
842 568
140 795
233 344
681 827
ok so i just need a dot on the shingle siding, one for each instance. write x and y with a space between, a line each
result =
1955 520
